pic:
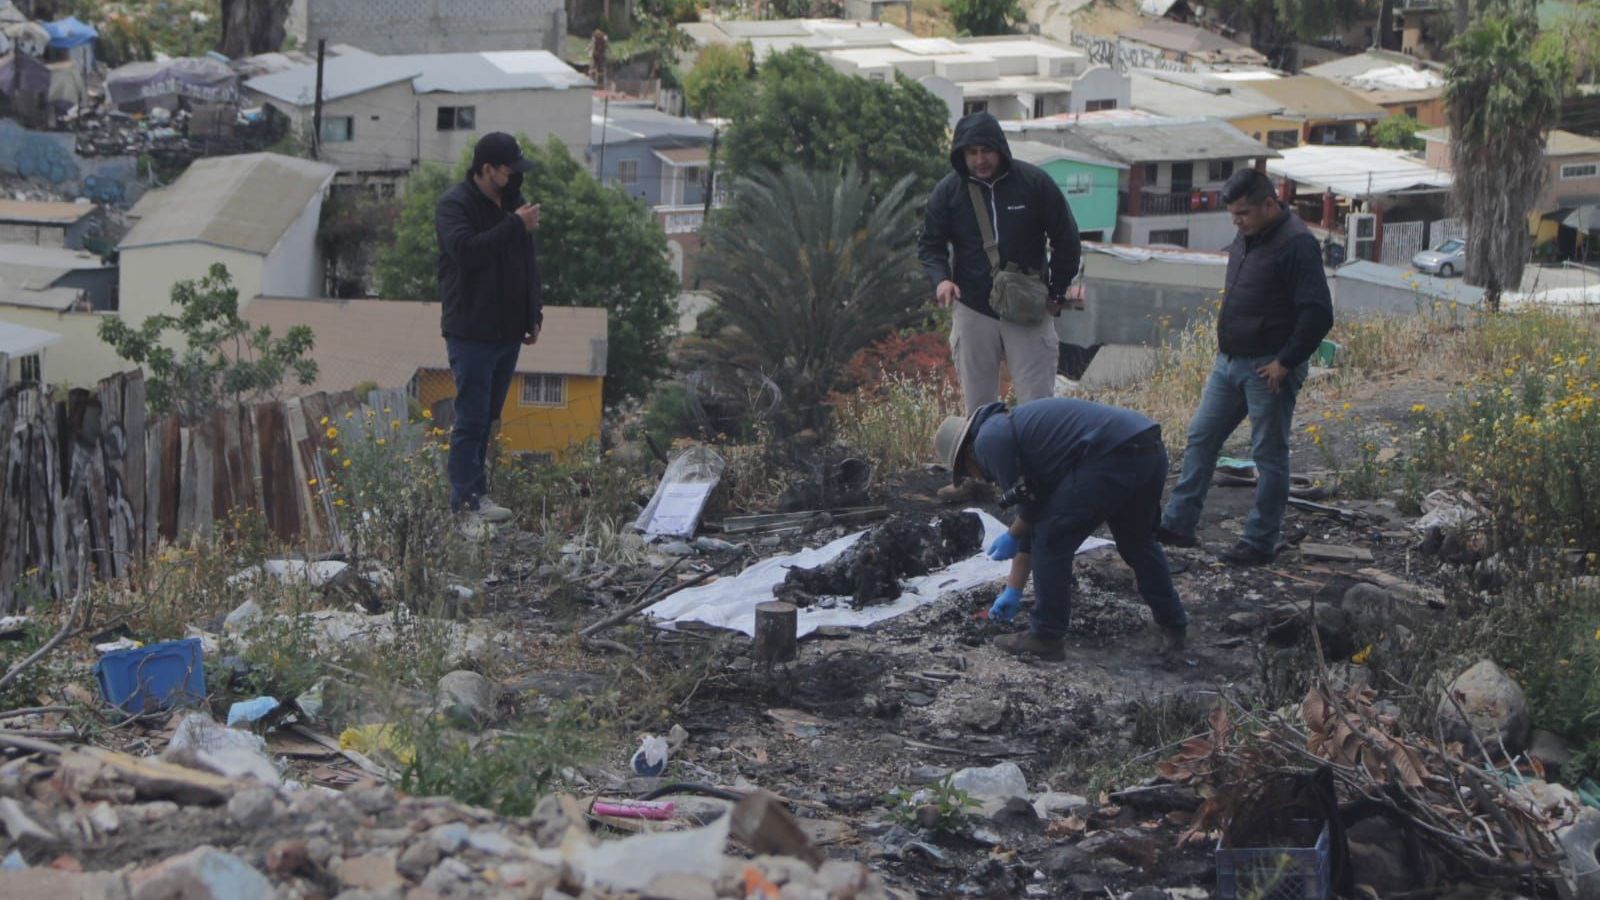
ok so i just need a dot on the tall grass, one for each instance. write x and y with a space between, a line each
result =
893 423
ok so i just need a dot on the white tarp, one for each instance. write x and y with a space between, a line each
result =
731 602
1397 78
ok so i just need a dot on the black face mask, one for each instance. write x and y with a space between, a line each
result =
511 197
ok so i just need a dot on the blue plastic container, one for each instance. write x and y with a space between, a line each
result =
159 676
1276 873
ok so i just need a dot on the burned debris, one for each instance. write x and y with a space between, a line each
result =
870 571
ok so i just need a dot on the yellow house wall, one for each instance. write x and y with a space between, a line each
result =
535 429
1258 126
80 358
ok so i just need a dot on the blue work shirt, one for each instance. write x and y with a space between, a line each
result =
1043 441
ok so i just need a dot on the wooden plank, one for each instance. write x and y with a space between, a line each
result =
169 482
244 468
186 485
135 470
205 469
53 553
113 454
297 427
1335 552
222 499
279 487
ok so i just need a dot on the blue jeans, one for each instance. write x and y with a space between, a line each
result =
1233 391
1122 490
482 371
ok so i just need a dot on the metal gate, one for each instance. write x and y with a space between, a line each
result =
1401 241
1445 229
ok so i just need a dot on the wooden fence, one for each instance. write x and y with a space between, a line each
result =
139 482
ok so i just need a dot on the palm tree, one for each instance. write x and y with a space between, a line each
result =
808 268
1504 97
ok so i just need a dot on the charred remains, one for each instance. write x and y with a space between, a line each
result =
870 571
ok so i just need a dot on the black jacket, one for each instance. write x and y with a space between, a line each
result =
1043 441
1276 300
1024 203
488 269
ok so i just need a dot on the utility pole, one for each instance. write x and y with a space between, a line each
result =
316 107
605 117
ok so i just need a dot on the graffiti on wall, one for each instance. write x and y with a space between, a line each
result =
49 157
1124 56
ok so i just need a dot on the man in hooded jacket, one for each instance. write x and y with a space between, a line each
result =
1025 208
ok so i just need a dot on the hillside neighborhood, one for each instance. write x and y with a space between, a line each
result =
252 644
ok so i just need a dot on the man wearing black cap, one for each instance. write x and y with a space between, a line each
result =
489 286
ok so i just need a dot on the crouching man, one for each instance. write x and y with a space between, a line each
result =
1071 466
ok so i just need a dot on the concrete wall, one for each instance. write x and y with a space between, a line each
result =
1101 83
69 237
294 267
654 178
1139 302
1565 192
1094 209
383 127
148 274
432 26
1207 230
538 114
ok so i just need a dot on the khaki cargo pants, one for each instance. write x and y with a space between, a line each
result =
978 344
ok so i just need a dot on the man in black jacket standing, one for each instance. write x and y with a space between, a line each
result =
1024 207
489 286
1275 311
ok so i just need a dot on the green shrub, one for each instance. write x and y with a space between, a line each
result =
508 772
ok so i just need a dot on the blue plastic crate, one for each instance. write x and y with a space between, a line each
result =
1275 873
159 676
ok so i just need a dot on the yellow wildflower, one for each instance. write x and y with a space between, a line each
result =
347 464
381 442
427 414
1419 407
312 482
324 421
331 433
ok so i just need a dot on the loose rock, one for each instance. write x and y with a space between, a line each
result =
1495 707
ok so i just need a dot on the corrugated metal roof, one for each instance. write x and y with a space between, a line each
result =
1040 153
1180 94
453 73
36 268
242 202
42 212
1357 172
1152 139
627 122
1315 98
387 341
1170 35
1408 280
1362 63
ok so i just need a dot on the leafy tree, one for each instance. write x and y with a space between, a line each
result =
355 224
805 113
407 267
1398 133
597 247
1273 25
808 269
985 17
720 81
223 359
1504 96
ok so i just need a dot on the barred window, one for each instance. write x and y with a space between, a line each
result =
544 390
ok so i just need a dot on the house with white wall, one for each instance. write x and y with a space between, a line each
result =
256 214
1012 77
384 115
1170 193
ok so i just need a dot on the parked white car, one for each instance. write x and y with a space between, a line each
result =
1446 260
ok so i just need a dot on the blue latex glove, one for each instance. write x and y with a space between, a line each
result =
1003 548
1006 605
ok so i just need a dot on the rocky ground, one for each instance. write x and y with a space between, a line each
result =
872 739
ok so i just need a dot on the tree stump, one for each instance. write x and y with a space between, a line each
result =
776 625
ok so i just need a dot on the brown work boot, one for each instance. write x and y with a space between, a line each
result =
1026 643
969 491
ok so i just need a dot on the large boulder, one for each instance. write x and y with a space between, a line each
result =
1495 708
